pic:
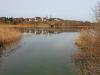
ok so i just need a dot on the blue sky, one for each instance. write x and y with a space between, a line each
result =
66 9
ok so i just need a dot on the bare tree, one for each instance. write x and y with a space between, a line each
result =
97 12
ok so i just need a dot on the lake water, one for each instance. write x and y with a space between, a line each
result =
49 54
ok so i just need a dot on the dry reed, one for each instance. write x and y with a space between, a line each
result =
8 36
88 59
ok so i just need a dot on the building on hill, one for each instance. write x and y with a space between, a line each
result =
3 19
38 19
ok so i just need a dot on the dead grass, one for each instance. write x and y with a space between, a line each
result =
8 36
87 60
89 37
15 26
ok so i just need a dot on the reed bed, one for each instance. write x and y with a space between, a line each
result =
87 60
8 36
89 37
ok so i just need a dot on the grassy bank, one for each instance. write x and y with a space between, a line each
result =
88 59
15 26
89 37
67 24
8 36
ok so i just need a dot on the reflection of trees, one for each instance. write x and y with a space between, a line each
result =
8 50
11 48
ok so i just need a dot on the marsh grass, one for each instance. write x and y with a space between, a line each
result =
8 36
88 58
89 37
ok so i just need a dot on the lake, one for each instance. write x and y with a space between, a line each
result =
43 54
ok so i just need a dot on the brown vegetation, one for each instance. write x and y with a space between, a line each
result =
88 58
8 36
89 38
15 26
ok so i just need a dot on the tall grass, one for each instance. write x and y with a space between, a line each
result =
88 59
8 36
89 37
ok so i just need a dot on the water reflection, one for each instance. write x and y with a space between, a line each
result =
41 32
40 55
44 31
9 49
